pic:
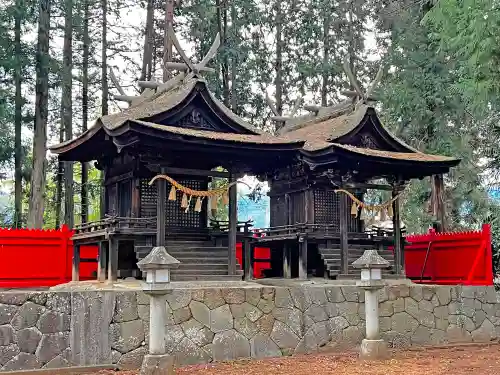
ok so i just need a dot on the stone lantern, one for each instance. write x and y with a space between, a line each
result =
157 265
371 265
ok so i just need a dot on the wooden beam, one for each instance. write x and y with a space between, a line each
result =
312 108
281 118
354 94
344 247
233 222
184 67
75 275
113 260
148 84
352 78
115 82
211 53
161 201
396 225
177 45
125 98
101 270
360 185
196 172
303 259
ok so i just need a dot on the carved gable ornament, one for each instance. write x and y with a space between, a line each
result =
367 141
195 120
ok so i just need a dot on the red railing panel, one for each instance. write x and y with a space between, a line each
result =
40 258
450 258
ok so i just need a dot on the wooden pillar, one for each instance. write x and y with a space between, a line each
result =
303 259
113 259
233 225
343 228
248 250
396 224
75 275
101 270
287 259
161 201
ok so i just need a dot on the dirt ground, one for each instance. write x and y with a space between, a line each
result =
459 360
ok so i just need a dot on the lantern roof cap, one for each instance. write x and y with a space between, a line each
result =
157 259
370 259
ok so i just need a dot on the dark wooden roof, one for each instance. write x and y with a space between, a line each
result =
408 156
166 101
263 138
348 130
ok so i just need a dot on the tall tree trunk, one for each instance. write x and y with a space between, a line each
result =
326 56
438 201
105 92
167 43
278 82
85 107
147 59
59 182
222 29
234 59
18 184
35 214
351 40
67 110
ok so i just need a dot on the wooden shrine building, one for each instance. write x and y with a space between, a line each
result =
178 128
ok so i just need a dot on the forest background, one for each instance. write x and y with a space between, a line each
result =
440 90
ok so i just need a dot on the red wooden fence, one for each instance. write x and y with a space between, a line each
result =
40 258
450 258
260 255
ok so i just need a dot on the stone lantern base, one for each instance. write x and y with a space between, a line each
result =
157 364
373 350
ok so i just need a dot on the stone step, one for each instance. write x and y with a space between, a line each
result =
175 250
202 266
203 259
174 243
199 271
207 277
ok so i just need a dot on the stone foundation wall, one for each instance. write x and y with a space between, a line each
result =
56 329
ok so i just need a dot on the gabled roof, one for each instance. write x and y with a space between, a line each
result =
320 132
165 101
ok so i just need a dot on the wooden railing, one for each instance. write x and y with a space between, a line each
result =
223 226
114 222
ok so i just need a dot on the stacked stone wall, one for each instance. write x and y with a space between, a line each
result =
57 329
